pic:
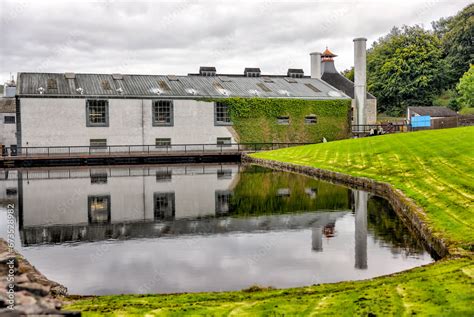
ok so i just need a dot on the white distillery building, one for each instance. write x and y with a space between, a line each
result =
68 109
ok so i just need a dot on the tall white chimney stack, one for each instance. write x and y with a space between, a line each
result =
315 65
360 79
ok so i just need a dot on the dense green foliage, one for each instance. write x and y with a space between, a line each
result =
465 89
411 66
435 168
441 289
256 193
456 34
404 69
430 168
255 119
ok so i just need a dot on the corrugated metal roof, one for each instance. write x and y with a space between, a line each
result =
433 111
159 86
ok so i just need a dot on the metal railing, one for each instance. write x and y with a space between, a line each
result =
383 128
111 150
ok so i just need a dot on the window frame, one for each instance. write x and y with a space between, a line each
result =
164 146
154 114
162 214
97 147
164 175
89 209
217 122
221 143
88 113
5 121
310 119
283 120
219 194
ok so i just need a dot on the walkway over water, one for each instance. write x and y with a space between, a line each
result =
131 154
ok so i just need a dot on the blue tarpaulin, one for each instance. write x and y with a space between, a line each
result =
421 121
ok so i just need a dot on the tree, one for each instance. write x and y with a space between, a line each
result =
348 73
405 69
456 34
465 89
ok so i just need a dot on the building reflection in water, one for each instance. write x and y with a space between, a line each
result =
136 202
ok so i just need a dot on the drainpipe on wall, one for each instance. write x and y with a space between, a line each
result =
360 80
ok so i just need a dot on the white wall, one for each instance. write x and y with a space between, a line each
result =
7 131
62 121
65 201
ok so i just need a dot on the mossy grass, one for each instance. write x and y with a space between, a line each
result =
434 168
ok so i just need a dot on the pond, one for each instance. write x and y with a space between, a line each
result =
177 228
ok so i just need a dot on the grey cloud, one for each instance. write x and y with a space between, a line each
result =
177 37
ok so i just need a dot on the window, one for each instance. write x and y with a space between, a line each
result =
263 87
162 113
99 209
98 143
164 206
224 141
223 201
283 120
163 142
164 175
224 174
311 119
99 177
283 192
221 114
311 192
11 191
9 119
97 112
313 88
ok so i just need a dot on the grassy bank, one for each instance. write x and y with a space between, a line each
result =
435 168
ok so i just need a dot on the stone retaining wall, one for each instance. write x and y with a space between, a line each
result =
413 215
34 294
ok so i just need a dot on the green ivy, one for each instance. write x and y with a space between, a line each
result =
255 119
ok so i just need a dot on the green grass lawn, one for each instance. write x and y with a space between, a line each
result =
435 168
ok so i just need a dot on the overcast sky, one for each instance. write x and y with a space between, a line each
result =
176 37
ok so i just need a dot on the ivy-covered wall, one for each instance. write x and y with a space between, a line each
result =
255 119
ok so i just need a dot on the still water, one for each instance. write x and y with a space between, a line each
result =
177 228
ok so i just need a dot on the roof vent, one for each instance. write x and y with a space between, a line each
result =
207 71
333 93
120 90
172 78
295 73
69 75
191 91
254 92
267 79
80 91
156 91
41 90
252 72
117 76
284 92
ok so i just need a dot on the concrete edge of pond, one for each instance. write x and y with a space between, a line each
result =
411 214
34 293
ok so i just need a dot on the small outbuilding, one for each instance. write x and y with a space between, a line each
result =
436 117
